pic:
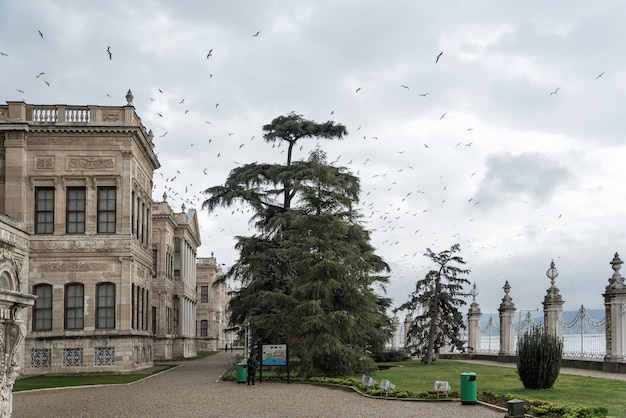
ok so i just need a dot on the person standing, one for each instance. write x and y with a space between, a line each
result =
251 365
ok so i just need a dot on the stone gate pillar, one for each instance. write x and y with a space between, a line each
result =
473 319
615 308
12 333
507 324
553 306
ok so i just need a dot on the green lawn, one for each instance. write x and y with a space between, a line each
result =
568 390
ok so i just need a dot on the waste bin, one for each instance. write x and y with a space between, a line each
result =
468 388
242 373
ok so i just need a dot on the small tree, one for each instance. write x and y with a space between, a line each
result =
439 295
539 356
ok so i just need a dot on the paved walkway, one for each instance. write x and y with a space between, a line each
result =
193 390
564 370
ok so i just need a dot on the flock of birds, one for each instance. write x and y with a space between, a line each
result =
389 209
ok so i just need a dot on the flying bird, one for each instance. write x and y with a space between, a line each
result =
424 94
600 75
40 34
256 34
109 52
3 54
359 89
161 136
438 56
39 75
47 84
555 91
404 86
442 116
20 91
209 54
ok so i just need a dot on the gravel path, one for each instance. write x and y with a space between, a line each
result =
193 390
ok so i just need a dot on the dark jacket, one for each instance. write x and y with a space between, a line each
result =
252 364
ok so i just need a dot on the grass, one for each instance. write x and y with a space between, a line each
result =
568 390
47 382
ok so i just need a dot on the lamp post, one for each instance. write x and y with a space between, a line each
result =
247 336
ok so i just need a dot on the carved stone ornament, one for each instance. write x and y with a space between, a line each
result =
111 116
73 267
98 245
44 163
84 163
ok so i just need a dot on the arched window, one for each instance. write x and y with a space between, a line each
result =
42 311
5 281
74 306
105 305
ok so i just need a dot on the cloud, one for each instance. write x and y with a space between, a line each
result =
530 177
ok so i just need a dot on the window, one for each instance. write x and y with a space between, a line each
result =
75 219
42 311
106 210
74 306
44 210
176 257
105 305
155 259
204 294
204 328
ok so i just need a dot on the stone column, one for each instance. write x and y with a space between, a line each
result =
615 308
395 336
507 324
12 333
553 305
407 325
473 318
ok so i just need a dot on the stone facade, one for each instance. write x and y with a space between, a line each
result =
212 307
175 240
114 272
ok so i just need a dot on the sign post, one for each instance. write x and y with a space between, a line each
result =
274 355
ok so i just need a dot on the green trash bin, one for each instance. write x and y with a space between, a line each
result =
468 388
242 373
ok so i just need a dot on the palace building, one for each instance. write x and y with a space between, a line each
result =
114 272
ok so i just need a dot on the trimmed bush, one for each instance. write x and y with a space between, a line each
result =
539 356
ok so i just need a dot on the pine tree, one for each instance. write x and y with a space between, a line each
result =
436 302
309 277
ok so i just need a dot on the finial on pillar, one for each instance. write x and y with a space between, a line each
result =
474 293
616 280
552 273
183 208
164 197
507 301
129 98
552 294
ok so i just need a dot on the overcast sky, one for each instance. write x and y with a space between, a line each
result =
496 125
